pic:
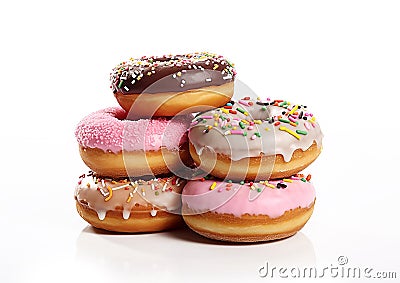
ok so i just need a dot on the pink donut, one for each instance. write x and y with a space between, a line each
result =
248 212
114 146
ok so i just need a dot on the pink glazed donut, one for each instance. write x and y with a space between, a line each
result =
114 146
248 212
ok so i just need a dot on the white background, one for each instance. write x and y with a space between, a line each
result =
341 58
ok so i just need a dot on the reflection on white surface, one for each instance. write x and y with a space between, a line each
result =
182 254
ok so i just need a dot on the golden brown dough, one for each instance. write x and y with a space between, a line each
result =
134 163
176 103
255 168
140 221
248 228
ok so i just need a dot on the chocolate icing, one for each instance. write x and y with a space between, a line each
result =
171 73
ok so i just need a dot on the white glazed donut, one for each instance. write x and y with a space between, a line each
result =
122 205
255 139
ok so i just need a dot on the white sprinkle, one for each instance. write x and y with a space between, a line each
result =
104 193
227 77
182 85
133 81
183 81
208 80
120 187
164 187
153 212
102 183
135 186
152 186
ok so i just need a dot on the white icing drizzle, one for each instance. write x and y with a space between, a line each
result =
101 214
252 133
126 214
159 193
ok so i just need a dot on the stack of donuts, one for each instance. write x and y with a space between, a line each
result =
245 157
255 150
133 150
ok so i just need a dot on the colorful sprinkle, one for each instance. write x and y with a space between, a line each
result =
236 132
270 185
129 197
242 111
110 194
301 132
243 102
212 187
289 131
284 120
293 110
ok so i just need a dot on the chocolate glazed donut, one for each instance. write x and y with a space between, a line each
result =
173 83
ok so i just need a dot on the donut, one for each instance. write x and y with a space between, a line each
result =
113 146
122 205
173 84
255 139
248 212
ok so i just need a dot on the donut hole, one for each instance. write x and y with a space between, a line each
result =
166 59
258 112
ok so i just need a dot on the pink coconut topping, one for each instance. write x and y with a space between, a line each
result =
107 129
